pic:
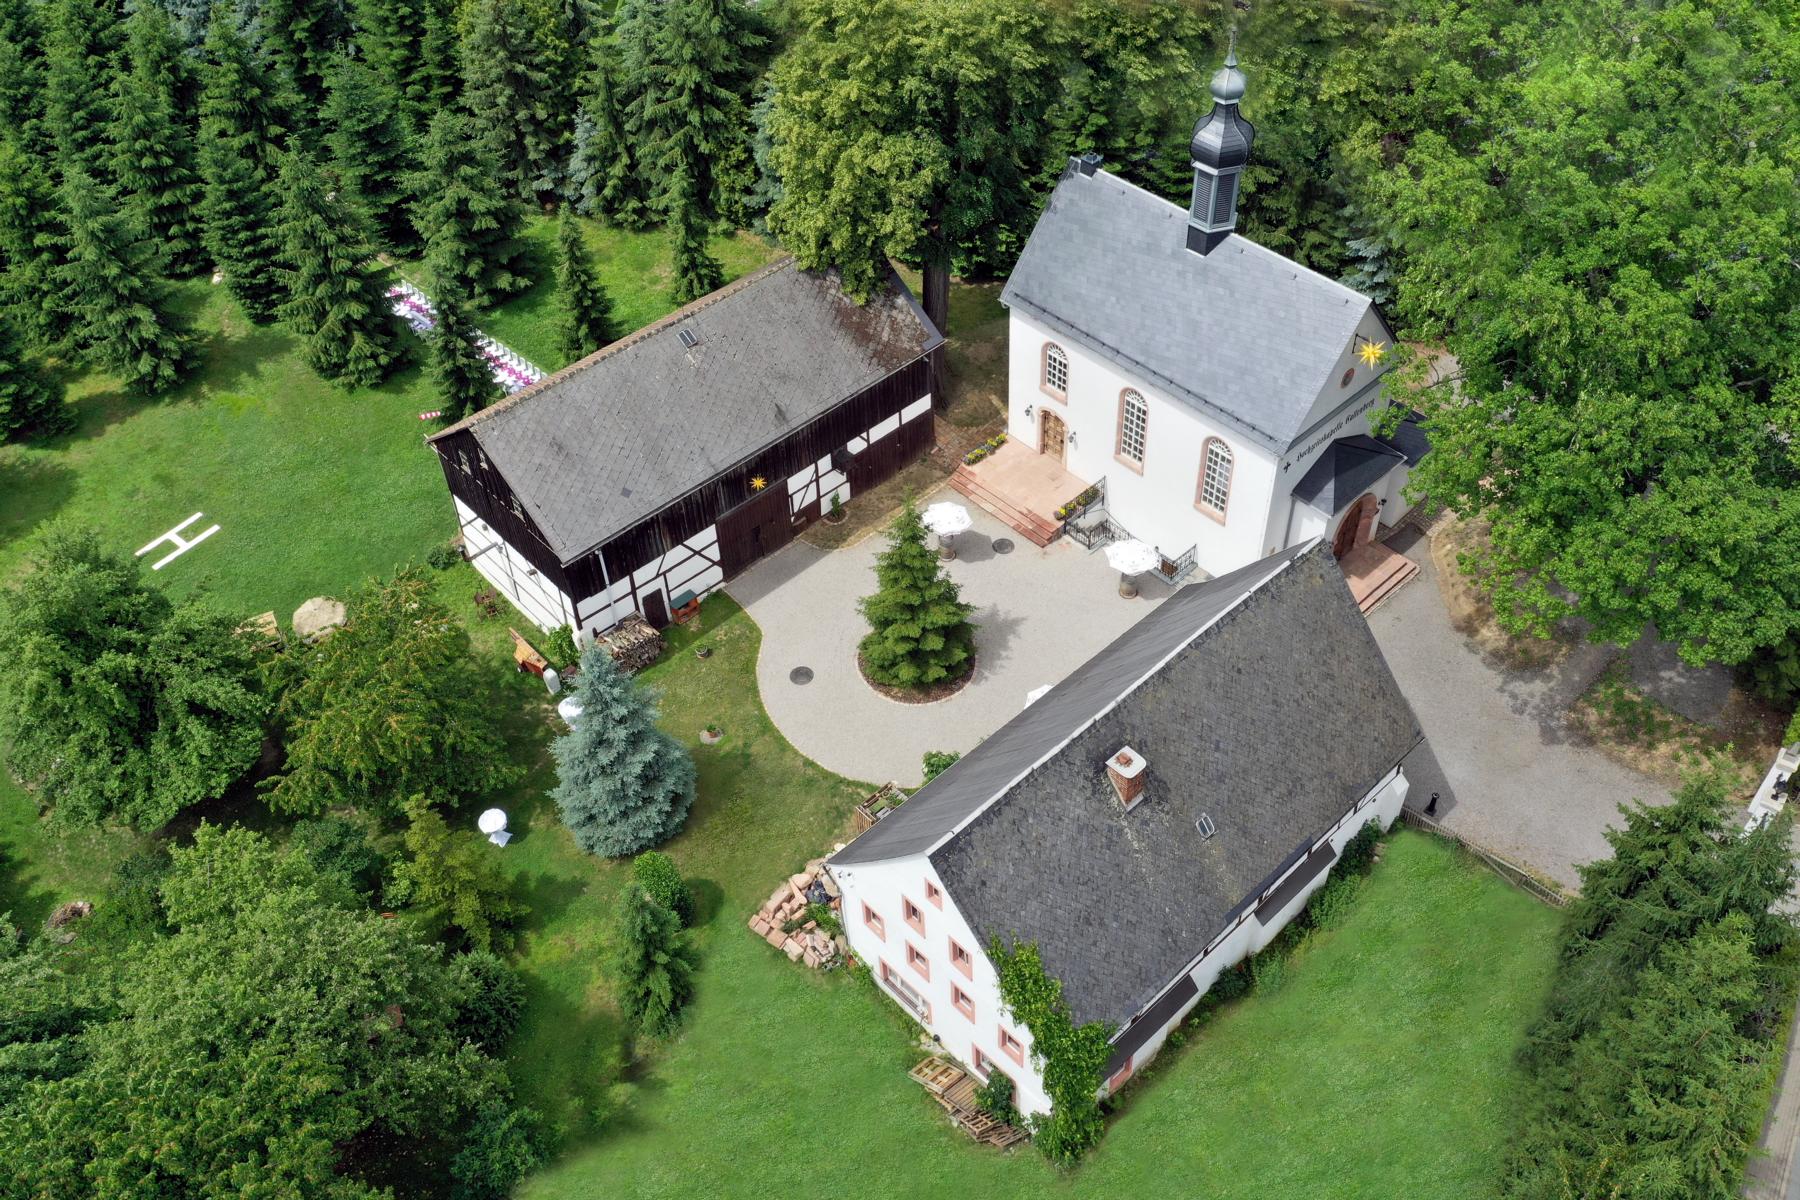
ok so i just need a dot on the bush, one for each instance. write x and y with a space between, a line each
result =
1233 982
444 556
132 909
995 1098
1773 672
657 874
937 762
1359 852
1269 969
493 996
826 919
1332 903
559 648
503 1146
332 843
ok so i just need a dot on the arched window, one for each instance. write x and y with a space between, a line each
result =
1215 478
1056 370
1134 417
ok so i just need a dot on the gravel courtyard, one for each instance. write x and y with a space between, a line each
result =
1039 614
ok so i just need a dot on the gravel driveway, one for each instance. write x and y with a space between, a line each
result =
1511 774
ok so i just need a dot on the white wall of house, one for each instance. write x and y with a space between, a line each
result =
540 601
886 888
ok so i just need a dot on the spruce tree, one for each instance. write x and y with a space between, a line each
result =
298 39
33 242
465 380
512 99
82 40
371 155
31 399
22 73
920 633
239 126
336 300
469 224
153 148
696 271
410 47
586 311
604 180
655 963
623 785
112 284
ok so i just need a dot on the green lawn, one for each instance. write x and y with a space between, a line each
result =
1382 1067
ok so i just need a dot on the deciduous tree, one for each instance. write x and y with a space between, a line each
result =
919 628
586 311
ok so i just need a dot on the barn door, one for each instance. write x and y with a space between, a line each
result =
760 525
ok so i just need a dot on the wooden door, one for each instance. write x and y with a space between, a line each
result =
758 526
656 610
1357 526
1055 435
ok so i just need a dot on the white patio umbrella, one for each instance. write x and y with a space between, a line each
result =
493 823
947 519
1130 559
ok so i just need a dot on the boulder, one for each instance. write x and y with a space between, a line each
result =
317 618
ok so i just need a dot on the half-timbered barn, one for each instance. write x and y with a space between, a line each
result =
646 475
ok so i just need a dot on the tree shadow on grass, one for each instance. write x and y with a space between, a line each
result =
232 361
709 901
27 903
32 491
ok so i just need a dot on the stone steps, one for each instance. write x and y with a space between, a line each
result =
1393 575
1038 530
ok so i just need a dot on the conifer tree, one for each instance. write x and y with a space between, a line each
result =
469 225
508 90
696 271
82 40
410 46
298 39
239 125
586 311
465 380
336 301
371 155
604 180
33 240
153 148
920 633
22 72
113 286
31 399
623 785
655 963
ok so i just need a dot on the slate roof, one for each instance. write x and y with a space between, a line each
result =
1241 333
1349 467
1258 698
616 437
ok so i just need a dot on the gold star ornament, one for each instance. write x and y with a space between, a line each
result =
758 484
1371 352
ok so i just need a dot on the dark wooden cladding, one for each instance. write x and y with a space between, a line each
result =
485 491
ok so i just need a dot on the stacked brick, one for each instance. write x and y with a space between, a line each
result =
782 921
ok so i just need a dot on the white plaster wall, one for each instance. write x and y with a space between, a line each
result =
1157 505
537 599
882 886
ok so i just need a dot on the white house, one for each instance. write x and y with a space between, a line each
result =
1152 820
1219 392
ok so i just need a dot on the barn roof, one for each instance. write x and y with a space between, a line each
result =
1258 699
1241 333
618 436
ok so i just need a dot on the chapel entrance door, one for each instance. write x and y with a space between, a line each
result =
1055 434
1358 525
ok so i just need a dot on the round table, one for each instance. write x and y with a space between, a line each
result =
1130 559
947 519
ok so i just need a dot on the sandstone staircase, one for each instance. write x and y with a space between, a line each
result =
1036 529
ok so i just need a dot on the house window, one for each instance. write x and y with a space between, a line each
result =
873 921
513 503
462 460
481 460
1134 417
1011 1046
962 960
915 958
934 893
1215 478
1056 370
905 993
987 1068
962 1001
913 914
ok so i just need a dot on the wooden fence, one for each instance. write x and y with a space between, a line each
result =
1514 874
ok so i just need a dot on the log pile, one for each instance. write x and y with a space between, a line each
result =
633 643
782 921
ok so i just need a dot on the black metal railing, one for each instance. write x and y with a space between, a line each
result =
1074 514
1173 570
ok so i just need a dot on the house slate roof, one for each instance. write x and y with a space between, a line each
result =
1349 467
614 438
1259 699
1242 333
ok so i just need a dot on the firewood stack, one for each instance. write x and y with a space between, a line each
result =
633 643
782 921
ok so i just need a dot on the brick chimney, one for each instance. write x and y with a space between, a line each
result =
1126 771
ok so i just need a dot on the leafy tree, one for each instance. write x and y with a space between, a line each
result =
604 176
270 1042
117 705
655 963
508 89
453 879
938 761
31 398
239 127
337 301
908 128
334 843
153 148
493 997
657 874
299 39
586 311
920 632
387 707
697 272
33 249
623 785
464 377
1628 382
469 225
82 40
113 286
371 154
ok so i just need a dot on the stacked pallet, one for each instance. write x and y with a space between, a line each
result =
783 923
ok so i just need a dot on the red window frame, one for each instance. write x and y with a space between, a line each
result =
915 958
912 914
1011 1046
962 960
962 1002
934 894
873 920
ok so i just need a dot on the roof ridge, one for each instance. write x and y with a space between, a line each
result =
611 348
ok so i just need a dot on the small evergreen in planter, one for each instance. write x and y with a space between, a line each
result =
920 633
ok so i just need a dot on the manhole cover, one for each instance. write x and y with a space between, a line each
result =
801 675
1002 545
